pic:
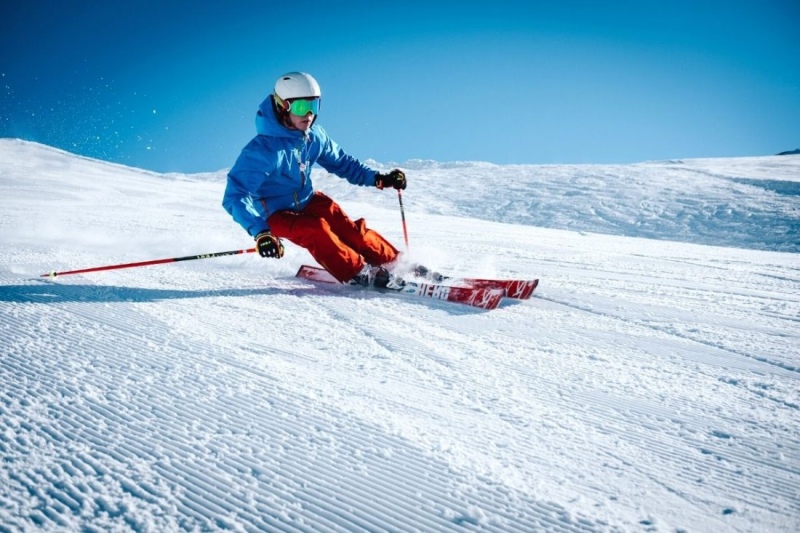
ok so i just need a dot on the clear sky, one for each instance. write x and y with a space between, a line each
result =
172 85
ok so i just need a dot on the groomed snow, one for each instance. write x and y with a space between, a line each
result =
651 384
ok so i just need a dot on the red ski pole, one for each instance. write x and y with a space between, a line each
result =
147 263
403 217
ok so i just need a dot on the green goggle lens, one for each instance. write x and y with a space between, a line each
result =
303 107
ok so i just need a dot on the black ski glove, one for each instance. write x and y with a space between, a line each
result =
268 245
396 178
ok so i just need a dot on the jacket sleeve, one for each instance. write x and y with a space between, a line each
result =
240 205
336 161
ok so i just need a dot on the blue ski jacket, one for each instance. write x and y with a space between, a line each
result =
273 172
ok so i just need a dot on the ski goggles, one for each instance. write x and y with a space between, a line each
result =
302 107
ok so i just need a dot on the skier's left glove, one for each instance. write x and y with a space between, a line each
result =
396 178
268 245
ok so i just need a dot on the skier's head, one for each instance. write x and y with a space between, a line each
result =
297 99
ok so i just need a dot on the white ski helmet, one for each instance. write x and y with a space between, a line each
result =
297 85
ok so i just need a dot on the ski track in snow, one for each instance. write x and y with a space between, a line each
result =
649 385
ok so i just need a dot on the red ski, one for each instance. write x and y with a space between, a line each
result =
520 289
482 297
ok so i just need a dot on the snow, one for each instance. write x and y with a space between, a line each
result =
651 384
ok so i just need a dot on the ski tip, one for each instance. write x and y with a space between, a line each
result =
528 292
313 273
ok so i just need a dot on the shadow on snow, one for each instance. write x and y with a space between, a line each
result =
51 292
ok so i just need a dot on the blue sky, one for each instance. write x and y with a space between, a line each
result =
173 85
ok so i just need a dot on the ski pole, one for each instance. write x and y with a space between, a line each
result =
403 217
148 263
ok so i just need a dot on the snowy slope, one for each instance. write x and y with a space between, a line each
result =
650 385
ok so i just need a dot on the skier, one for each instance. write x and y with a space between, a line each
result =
270 194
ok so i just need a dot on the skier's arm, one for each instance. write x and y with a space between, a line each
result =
336 161
239 204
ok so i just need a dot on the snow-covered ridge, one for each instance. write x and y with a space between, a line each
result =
743 202
650 385
747 202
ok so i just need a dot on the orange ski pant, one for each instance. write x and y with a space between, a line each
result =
337 243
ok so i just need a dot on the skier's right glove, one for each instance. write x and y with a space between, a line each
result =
268 245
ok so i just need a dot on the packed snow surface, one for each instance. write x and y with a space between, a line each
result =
651 384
